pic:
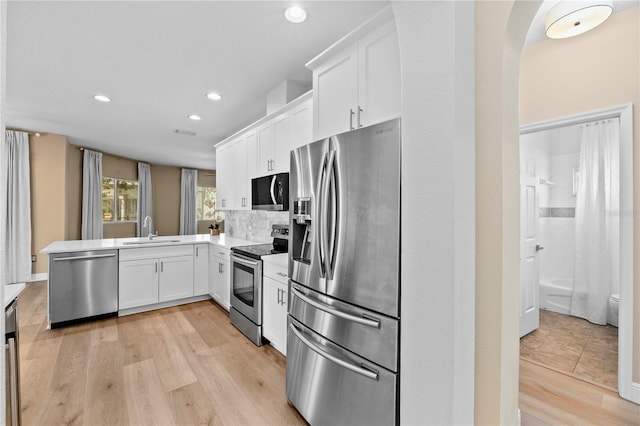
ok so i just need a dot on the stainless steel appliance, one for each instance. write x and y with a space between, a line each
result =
344 268
12 365
246 282
270 192
82 285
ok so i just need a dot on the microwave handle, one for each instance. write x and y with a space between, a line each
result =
273 184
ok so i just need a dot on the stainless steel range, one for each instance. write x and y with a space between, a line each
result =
246 282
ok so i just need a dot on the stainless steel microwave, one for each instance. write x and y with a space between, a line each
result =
270 192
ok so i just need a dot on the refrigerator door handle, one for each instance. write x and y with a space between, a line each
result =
322 206
334 186
366 372
368 321
324 215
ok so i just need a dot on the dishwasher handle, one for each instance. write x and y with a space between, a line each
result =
94 256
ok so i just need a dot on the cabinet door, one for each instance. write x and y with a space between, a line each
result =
252 157
335 95
200 269
138 283
265 149
300 126
220 285
274 313
378 76
176 278
223 178
281 143
239 198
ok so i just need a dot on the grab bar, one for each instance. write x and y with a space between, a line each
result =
373 322
367 372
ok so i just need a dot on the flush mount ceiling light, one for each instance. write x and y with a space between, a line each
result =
102 98
572 18
214 96
295 14
195 117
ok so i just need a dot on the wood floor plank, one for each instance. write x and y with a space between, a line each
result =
192 407
104 402
106 332
147 403
558 398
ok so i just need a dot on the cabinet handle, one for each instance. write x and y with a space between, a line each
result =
161 266
196 251
282 275
359 112
279 290
351 113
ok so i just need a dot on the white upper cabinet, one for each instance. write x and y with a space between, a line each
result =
233 170
356 82
261 149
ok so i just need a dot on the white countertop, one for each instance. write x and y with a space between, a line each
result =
281 259
11 291
125 243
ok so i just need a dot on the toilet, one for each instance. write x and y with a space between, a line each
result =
612 314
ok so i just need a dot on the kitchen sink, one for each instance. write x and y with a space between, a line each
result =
131 243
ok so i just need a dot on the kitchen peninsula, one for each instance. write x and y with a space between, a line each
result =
93 278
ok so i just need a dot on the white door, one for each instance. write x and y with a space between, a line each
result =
200 269
175 278
138 283
529 247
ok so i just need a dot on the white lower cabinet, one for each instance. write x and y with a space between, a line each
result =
156 274
138 283
219 278
275 296
200 269
175 279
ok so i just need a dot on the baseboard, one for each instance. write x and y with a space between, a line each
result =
635 392
43 276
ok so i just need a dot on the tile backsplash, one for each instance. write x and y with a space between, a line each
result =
253 225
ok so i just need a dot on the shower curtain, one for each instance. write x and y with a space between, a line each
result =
597 220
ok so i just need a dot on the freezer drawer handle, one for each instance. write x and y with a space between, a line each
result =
367 372
97 256
370 322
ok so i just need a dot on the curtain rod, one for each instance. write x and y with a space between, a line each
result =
31 132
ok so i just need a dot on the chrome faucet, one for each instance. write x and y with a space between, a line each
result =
148 223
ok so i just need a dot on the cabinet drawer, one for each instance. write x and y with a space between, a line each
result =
220 252
155 252
276 270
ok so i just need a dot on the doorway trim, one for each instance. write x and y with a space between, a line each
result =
626 387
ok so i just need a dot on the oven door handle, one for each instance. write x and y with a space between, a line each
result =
250 263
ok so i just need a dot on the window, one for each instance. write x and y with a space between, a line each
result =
119 200
206 204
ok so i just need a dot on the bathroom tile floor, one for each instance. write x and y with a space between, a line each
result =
574 346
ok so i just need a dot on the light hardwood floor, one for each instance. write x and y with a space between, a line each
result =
183 365
187 365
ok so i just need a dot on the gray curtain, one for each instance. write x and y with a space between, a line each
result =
92 195
189 182
144 198
17 208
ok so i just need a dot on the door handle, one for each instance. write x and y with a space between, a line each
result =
359 112
156 267
351 114
358 369
364 320
539 247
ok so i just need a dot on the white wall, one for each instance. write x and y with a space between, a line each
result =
437 241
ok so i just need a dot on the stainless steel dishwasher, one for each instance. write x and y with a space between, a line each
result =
82 285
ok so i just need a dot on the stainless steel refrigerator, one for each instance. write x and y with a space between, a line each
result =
344 269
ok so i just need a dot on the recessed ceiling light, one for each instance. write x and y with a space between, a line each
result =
102 98
214 96
195 117
295 14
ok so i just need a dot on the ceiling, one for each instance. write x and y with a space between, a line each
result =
157 60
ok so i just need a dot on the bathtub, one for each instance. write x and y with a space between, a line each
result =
555 295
